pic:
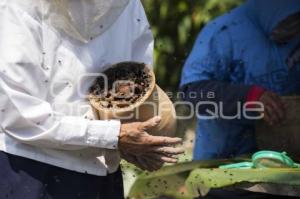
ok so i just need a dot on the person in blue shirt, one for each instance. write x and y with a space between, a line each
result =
250 54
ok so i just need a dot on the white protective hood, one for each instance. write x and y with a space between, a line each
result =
83 19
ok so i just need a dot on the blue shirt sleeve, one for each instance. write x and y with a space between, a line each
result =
208 69
211 56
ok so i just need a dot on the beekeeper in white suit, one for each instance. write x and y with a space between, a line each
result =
50 147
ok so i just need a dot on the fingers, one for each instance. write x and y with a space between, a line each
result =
268 115
152 164
133 160
161 140
274 116
143 164
274 108
150 123
163 158
146 165
146 151
168 150
278 100
278 106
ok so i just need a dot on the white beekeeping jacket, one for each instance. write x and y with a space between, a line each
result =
45 61
83 19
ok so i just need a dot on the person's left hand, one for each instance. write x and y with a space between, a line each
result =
274 109
144 163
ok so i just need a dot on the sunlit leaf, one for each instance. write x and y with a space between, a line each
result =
188 180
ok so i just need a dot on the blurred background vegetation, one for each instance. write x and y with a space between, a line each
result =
175 26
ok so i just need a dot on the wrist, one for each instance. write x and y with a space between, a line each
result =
122 134
254 94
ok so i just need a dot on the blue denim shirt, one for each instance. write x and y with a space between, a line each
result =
236 48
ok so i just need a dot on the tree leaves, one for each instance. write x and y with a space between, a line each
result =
175 25
188 180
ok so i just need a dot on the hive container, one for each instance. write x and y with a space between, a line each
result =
154 103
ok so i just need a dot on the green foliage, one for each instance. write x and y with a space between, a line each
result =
190 180
204 179
175 25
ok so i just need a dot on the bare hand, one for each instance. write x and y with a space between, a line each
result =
144 149
143 163
274 109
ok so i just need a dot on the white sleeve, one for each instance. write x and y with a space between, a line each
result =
25 113
143 44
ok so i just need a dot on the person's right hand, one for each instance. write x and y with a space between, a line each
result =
274 109
135 141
